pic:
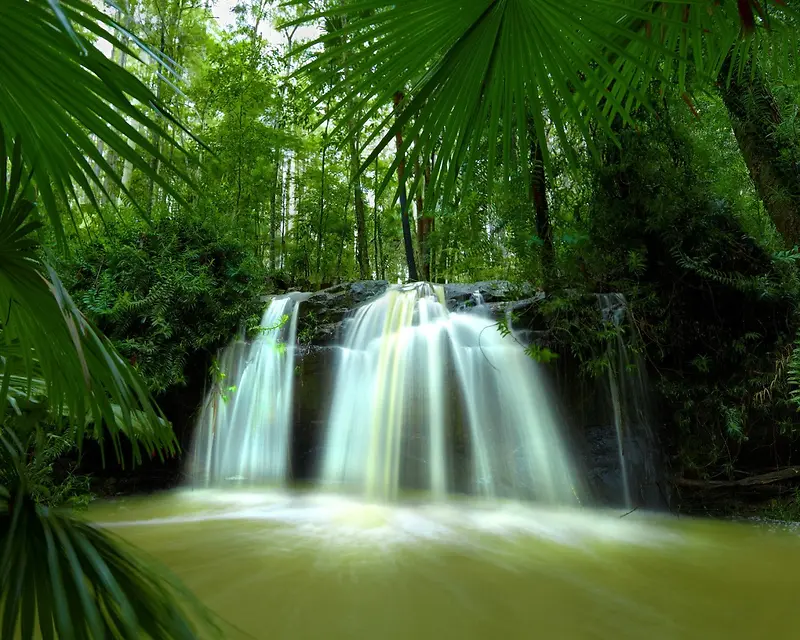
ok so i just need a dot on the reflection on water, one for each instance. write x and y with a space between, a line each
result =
310 566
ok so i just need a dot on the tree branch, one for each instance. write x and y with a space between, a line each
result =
779 475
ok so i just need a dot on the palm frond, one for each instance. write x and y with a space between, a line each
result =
57 90
478 70
58 576
64 578
48 348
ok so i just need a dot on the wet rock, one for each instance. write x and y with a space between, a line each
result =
321 315
492 292
313 385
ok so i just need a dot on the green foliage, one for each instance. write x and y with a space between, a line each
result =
713 308
462 248
540 354
793 372
46 447
309 330
165 291
218 377
784 508
61 95
53 358
75 580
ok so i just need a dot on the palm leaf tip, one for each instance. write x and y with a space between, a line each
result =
50 351
64 90
73 580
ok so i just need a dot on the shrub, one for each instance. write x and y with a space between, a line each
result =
165 291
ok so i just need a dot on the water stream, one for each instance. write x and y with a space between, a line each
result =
413 379
628 393
314 566
244 429
448 507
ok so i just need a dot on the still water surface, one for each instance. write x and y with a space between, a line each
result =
328 568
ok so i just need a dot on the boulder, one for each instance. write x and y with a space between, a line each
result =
322 313
462 296
313 386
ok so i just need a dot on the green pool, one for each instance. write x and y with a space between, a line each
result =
306 566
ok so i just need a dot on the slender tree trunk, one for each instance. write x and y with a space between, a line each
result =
101 150
770 157
541 208
401 169
239 160
156 140
345 226
424 225
375 229
273 211
320 230
127 168
432 230
362 248
285 201
283 124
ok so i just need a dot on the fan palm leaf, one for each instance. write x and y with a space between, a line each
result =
58 90
47 347
71 580
58 574
477 70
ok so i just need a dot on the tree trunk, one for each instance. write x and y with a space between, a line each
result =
280 222
770 157
122 60
401 169
156 139
274 224
375 229
541 209
320 229
337 277
362 248
424 226
285 200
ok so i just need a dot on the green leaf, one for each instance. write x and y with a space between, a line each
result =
57 90
85 584
49 349
472 69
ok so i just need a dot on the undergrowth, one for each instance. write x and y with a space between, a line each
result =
713 311
166 291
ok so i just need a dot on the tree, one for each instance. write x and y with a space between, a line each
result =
475 69
408 243
362 251
541 208
770 154
425 219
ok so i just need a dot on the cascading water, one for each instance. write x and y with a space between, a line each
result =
244 429
414 379
628 393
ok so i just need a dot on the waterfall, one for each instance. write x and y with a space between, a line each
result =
628 395
414 380
244 428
